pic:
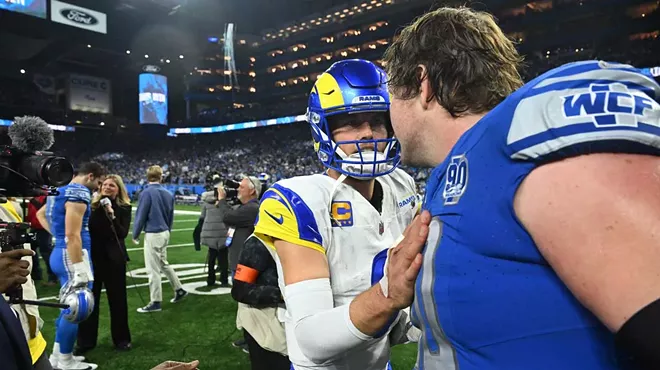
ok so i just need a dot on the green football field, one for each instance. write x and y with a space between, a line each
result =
201 327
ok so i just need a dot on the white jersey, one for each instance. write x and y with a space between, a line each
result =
349 231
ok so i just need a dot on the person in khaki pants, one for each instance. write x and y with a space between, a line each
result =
155 215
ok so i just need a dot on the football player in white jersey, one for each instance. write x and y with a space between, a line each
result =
330 233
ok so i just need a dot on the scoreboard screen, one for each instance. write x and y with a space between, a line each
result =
36 8
153 99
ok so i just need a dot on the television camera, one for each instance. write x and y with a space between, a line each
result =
27 170
230 186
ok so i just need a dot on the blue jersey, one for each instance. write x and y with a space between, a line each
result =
485 297
55 213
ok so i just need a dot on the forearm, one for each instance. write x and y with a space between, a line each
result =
74 248
371 311
44 222
255 295
137 227
239 217
310 304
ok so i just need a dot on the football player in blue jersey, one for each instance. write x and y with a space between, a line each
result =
66 217
545 202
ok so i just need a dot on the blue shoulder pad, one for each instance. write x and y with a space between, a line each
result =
77 194
586 107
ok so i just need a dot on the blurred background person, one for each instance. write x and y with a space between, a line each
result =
155 214
260 306
109 258
214 236
28 315
240 223
42 242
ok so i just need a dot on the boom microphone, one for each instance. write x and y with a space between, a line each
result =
31 134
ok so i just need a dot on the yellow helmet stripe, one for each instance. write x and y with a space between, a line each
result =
330 95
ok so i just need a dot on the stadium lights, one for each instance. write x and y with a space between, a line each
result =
167 60
102 123
22 71
146 56
128 51
89 46
181 56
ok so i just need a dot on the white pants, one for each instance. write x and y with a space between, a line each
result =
155 261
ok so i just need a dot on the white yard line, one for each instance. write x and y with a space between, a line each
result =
185 278
169 246
178 212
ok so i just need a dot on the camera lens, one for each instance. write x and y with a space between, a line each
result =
57 172
50 171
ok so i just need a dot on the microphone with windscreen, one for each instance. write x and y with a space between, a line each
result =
26 168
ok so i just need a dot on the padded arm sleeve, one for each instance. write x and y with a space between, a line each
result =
323 332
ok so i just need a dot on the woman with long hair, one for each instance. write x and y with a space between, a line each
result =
108 227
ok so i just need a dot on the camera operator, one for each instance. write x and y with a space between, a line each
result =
15 267
240 221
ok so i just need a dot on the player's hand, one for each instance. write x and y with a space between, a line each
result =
174 365
405 260
82 275
13 270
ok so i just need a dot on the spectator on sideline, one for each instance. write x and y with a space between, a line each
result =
240 222
155 214
108 227
256 288
214 236
43 241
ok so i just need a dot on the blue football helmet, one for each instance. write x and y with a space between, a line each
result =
349 87
80 301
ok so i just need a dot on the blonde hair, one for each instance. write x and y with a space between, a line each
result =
154 173
122 195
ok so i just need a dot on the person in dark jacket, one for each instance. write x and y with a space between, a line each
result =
255 284
214 236
240 221
109 258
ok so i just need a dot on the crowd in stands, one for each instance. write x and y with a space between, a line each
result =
280 151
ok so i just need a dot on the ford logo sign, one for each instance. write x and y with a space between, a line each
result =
151 68
77 16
